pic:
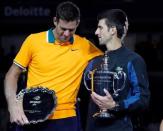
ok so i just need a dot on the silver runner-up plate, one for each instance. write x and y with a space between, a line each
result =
38 103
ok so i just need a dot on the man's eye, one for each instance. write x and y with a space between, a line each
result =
63 29
70 30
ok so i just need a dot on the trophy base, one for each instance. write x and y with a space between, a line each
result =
103 115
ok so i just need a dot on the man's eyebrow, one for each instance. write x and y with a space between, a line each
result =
99 26
63 28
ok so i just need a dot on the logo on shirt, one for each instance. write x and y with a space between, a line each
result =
74 49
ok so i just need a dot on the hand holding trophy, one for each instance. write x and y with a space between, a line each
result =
38 103
102 78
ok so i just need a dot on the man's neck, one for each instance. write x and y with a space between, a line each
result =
114 45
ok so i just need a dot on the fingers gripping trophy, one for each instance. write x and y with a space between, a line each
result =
38 103
102 78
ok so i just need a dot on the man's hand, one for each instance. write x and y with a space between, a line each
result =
104 102
17 114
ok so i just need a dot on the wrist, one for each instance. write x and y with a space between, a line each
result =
116 106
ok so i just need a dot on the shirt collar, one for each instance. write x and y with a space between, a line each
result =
51 37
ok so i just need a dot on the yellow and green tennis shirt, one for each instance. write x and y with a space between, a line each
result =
56 66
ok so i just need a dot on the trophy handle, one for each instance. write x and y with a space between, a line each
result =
120 74
90 76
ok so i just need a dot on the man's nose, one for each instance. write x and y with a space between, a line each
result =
66 33
96 32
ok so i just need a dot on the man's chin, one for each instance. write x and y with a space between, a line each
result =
63 41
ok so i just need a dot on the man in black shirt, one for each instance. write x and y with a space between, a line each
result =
111 30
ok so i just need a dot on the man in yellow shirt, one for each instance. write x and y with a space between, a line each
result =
55 59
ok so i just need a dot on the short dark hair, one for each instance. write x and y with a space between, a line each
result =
115 17
67 11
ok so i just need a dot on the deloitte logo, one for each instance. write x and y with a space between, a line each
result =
26 11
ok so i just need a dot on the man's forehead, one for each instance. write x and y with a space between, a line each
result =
102 22
61 21
67 24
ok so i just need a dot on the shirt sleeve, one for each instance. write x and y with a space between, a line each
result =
90 50
139 94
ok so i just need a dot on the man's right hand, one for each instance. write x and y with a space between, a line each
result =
17 114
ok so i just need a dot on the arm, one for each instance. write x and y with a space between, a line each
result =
161 126
139 94
15 108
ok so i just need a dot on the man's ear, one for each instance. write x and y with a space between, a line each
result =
55 21
113 30
78 22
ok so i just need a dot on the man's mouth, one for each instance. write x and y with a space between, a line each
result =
63 39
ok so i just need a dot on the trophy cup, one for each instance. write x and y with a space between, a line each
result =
102 78
38 103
